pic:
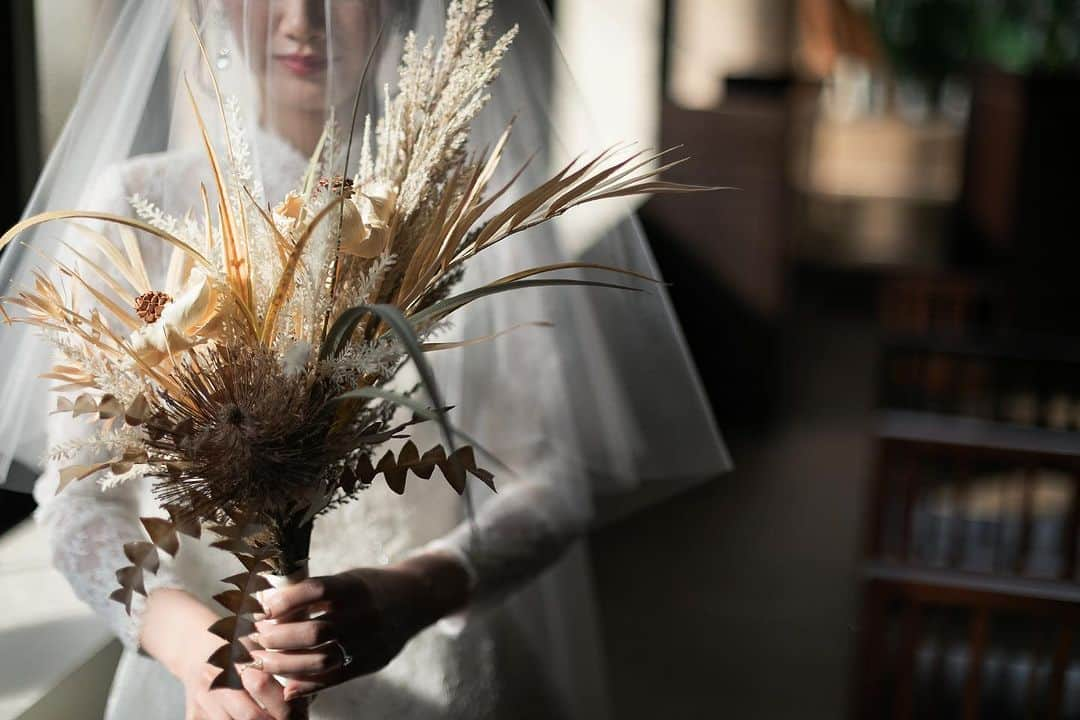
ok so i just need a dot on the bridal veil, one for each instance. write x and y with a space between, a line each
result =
593 388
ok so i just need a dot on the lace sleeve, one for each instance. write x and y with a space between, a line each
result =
87 528
514 537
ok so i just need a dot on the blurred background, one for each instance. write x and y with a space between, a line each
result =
884 316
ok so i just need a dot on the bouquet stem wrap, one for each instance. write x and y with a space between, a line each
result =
299 575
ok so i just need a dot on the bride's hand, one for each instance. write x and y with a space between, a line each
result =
362 620
260 691
174 631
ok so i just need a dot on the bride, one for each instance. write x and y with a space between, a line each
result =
420 610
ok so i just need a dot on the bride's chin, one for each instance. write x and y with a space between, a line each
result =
293 95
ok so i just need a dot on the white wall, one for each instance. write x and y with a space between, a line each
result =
63 35
712 39
614 51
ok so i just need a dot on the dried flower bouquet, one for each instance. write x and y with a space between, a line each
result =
255 387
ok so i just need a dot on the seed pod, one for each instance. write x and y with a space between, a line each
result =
150 305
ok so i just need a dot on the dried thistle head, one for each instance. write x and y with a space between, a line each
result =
245 433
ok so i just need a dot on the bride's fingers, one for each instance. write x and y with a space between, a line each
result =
300 664
305 687
305 612
209 711
296 635
239 706
283 602
266 691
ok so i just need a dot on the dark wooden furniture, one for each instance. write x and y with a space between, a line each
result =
949 627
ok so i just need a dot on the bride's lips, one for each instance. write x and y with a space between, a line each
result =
302 64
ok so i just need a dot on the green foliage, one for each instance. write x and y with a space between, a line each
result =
930 40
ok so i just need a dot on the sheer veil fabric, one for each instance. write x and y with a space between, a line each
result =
600 402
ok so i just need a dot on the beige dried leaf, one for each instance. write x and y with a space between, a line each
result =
131 577
75 473
84 405
138 412
395 469
109 407
238 602
162 533
143 555
248 582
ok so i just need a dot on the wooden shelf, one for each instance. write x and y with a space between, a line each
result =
1012 586
1027 347
957 343
932 428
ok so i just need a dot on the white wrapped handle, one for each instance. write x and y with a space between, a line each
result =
282 581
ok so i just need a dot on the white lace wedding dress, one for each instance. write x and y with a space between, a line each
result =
495 661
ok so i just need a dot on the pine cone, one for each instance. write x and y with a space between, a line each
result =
149 306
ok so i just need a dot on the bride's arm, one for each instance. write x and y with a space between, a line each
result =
517 535
87 528
369 614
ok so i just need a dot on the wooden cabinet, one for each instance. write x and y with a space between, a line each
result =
971 580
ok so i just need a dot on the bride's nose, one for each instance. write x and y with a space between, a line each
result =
302 21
